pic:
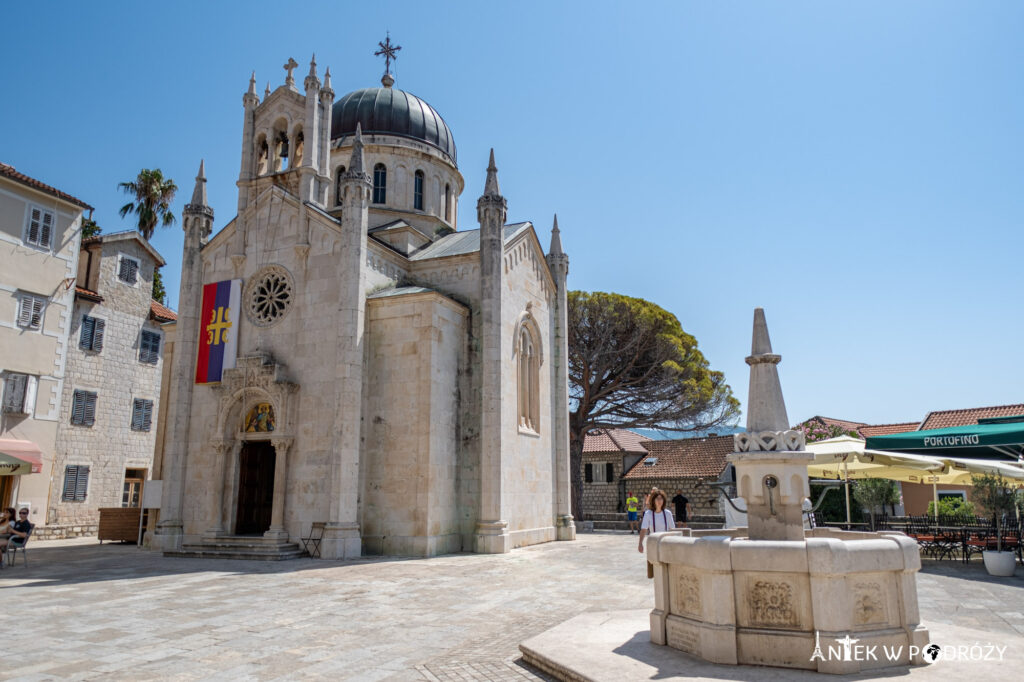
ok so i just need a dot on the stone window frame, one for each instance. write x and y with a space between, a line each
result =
77 475
147 354
31 311
603 468
339 175
142 414
419 180
259 279
529 356
121 258
26 385
380 184
96 327
42 229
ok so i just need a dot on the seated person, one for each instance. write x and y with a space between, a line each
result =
7 518
20 529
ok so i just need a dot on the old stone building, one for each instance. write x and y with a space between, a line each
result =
399 380
40 230
110 402
607 455
682 464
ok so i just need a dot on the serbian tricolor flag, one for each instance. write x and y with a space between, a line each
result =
218 330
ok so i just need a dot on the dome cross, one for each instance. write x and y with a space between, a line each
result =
389 52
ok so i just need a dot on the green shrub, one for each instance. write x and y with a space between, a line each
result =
953 506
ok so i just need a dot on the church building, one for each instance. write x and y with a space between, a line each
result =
348 361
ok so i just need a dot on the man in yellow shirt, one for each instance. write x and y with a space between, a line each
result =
632 506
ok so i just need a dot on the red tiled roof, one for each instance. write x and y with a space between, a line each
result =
886 429
161 313
941 419
614 440
684 458
844 424
88 294
9 172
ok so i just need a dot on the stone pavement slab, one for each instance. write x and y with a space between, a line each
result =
82 610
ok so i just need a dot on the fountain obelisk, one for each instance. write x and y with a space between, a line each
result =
770 459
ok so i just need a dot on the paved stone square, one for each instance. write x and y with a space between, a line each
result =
82 610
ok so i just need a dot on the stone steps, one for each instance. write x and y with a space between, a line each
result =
251 548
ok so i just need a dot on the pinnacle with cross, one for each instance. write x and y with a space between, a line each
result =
389 52
289 67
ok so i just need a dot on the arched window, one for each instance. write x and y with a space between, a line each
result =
380 184
448 203
417 191
528 352
338 175
262 156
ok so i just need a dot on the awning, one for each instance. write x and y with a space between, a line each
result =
999 441
19 457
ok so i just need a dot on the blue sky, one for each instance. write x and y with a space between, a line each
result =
855 168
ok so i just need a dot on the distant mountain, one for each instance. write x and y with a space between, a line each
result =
655 434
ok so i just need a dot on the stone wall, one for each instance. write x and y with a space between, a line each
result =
704 501
603 497
118 377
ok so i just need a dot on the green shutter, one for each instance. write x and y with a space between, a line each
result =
88 332
78 407
97 335
81 483
70 475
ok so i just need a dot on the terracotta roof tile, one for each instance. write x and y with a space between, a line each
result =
886 429
88 294
615 440
9 172
684 458
161 313
844 424
941 419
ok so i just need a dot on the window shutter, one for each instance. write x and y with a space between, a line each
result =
33 226
588 473
29 404
81 483
128 270
24 311
137 415
14 393
78 407
147 415
88 332
149 347
47 230
609 472
97 335
37 312
70 475
90 408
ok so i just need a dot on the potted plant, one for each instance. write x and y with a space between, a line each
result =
993 493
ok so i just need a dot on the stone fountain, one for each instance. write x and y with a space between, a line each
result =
774 593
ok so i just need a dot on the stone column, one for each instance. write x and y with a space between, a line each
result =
221 448
491 529
558 263
341 534
197 219
277 530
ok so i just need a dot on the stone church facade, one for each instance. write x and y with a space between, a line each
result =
398 380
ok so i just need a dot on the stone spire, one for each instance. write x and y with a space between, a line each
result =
327 82
556 240
766 409
356 163
266 93
199 192
491 188
250 95
312 82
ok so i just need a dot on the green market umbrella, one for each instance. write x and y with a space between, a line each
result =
994 439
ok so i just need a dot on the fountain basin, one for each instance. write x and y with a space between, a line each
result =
728 599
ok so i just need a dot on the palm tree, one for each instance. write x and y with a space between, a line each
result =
153 196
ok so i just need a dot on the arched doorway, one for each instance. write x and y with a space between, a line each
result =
256 463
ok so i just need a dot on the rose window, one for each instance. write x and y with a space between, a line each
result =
269 295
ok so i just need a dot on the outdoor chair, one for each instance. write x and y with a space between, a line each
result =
979 535
311 544
14 545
